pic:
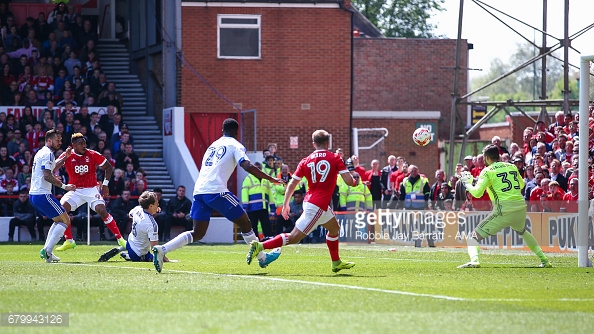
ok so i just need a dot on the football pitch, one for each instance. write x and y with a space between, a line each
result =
212 290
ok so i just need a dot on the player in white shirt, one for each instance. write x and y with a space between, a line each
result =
145 231
211 193
41 196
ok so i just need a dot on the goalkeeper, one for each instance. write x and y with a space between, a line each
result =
504 184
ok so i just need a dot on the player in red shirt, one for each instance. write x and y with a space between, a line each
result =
321 169
81 167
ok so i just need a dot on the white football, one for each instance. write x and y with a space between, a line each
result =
422 136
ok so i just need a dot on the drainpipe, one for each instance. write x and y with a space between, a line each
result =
341 4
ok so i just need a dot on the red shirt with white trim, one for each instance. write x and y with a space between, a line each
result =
321 168
82 169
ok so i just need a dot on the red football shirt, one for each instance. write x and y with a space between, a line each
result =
570 202
82 169
321 168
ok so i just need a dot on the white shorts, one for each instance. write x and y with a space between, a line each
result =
312 217
81 195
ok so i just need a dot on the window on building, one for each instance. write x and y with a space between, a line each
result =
239 36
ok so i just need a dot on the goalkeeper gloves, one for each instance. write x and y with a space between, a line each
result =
466 177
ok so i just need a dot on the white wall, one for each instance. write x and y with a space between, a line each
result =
177 156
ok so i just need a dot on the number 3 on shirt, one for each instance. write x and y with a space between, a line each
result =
504 179
322 167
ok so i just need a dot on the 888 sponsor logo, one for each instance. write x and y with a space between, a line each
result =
81 169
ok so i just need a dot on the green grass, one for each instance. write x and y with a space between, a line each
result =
212 290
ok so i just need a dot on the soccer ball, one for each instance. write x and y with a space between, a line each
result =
421 136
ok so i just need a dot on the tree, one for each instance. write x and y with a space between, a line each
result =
400 18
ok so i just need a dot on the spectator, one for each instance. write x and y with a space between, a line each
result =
496 140
570 199
273 149
256 199
538 195
120 208
24 174
6 161
120 139
110 99
139 186
127 156
373 181
116 184
296 209
43 83
559 121
100 85
385 178
24 214
468 161
106 121
9 94
42 26
269 168
435 188
26 49
71 62
177 209
554 199
467 205
414 190
17 140
8 200
480 165
67 39
357 197
557 175
104 96
160 216
445 193
60 9
8 179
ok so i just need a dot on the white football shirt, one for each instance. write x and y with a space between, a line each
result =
44 159
144 230
218 164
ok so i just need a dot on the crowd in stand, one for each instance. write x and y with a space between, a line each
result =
51 63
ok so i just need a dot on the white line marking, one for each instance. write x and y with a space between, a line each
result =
342 286
276 279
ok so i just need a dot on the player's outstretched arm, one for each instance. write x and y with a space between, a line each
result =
49 177
255 171
348 179
62 159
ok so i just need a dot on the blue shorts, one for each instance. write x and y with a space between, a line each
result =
148 257
224 203
47 205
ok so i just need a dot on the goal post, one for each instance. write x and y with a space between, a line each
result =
583 219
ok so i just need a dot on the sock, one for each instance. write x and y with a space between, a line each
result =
332 243
248 238
54 235
68 234
473 250
49 232
112 226
278 241
178 242
533 245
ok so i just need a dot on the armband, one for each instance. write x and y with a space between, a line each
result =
63 186
106 182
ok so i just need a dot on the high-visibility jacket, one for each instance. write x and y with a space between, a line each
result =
357 198
256 194
278 193
415 194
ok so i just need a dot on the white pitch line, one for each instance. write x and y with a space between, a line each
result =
351 287
276 279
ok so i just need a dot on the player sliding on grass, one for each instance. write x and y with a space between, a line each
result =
145 232
41 196
211 193
82 170
504 184
321 169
